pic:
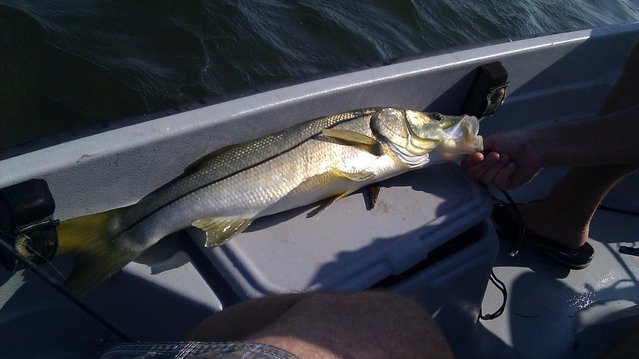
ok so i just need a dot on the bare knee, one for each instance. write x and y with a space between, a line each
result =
363 324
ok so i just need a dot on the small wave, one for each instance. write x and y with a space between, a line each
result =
72 63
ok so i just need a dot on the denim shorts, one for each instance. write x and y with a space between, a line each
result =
200 350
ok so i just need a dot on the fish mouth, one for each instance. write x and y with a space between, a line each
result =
477 145
463 137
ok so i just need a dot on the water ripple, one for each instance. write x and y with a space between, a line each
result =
71 62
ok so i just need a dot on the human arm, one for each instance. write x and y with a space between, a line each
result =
513 158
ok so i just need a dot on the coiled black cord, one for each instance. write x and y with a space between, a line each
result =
502 288
514 249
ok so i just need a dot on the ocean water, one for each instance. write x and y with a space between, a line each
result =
69 64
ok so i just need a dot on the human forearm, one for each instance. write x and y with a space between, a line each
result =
513 158
606 139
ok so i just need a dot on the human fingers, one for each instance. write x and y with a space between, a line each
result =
472 160
523 175
503 179
488 143
489 176
477 170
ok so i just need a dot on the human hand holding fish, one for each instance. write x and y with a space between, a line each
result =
222 193
509 161
514 158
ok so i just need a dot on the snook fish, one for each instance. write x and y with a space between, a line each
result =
223 192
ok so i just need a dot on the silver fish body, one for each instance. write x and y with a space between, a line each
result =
222 193
279 172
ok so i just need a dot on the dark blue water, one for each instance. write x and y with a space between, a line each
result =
67 64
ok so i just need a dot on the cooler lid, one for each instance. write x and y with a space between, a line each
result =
347 246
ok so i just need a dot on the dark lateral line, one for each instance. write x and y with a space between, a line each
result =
229 175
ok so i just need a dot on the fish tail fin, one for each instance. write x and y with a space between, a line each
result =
88 240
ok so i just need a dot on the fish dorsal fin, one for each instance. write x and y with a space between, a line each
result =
197 164
363 142
219 230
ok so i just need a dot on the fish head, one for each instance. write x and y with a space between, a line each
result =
412 135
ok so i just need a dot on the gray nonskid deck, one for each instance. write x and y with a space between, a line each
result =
549 307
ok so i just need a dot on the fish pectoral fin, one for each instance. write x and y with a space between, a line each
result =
219 230
336 173
355 177
351 138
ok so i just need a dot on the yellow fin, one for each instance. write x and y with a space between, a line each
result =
219 230
197 164
331 201
96 256
355 139
335 173
355 177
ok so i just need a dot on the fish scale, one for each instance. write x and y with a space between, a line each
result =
287 181
329 157
233 160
